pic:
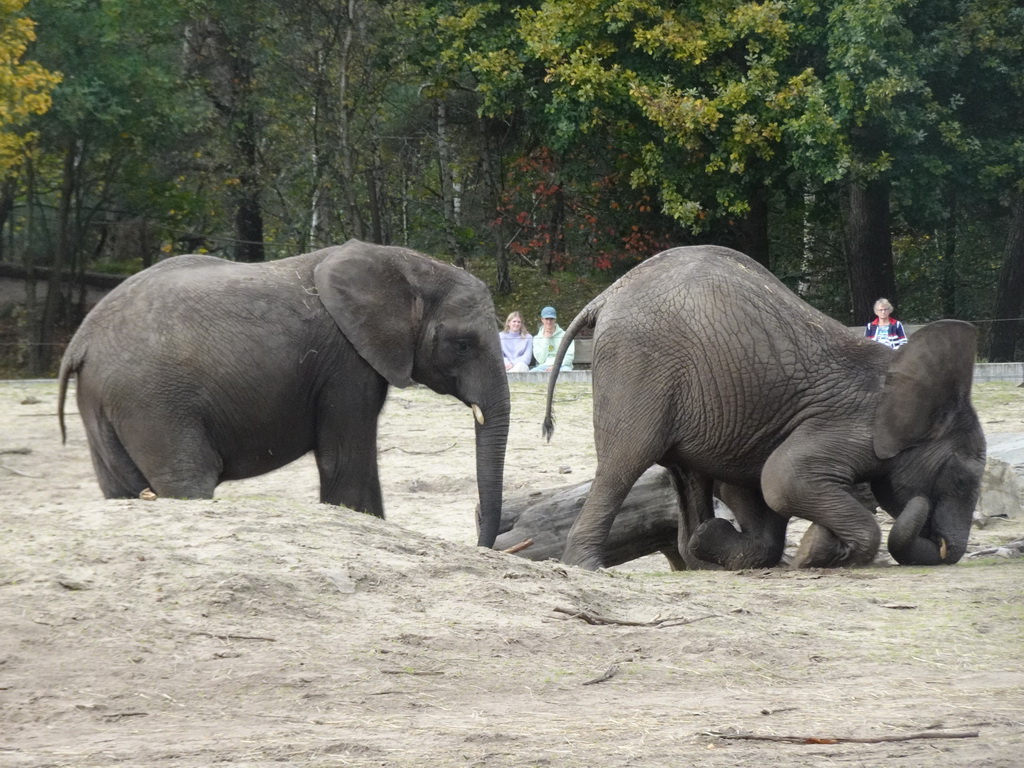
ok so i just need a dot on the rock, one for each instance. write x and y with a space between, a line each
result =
1002 491
1002 486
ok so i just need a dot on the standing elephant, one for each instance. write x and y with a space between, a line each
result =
708 365
199 370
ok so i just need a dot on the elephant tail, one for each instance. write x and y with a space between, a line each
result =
585 319
70 364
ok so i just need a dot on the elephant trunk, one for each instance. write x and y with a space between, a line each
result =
944 544
491 440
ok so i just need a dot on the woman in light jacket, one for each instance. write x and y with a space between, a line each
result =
516 344
545 343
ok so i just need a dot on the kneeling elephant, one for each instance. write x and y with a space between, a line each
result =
707 364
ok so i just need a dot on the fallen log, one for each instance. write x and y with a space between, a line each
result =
535 525
645 525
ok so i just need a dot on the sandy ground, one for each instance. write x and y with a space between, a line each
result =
262 628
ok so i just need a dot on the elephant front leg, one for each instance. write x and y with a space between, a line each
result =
799 480
820 548
346 455
351 479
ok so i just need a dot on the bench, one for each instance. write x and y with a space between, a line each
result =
584 354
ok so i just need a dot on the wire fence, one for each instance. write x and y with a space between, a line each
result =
851 327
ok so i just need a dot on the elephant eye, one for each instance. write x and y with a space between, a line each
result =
462 346
959 479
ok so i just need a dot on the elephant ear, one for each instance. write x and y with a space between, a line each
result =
370 293
928 380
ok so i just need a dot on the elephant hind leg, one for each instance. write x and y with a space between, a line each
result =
613 481
585 541
117 474
760 541
696 507
630 436
179 463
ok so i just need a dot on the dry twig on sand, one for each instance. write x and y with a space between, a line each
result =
518 547
1012 549
418 453
607 675
18 472
597 620
848 739
226 636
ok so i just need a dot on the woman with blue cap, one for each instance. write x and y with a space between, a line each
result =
545 343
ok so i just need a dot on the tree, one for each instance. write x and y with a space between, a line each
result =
25 87
707 99
228 45
1010 289
116 112
876 72
988 37
25 91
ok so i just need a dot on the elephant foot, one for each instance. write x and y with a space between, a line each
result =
714 541
717 541
675 560
583 560
820 548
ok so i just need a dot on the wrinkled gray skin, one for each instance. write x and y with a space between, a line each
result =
706 364
199 370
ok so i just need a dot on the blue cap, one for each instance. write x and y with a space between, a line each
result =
548 312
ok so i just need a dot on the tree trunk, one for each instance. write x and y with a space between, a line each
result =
319 230
492 178
221 58
406 202
555 252
646 524
449 208
869 246
33 364
948 239
7 189
754 236
249 212
61 256
348 165
374 176
1006 330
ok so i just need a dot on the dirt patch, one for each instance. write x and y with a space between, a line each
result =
263 628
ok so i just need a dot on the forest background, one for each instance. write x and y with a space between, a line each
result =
858 148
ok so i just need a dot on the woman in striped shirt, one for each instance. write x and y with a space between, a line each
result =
886 329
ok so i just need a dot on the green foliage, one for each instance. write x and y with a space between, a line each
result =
706 98
122 110
566 291
563 216
25 87
581 135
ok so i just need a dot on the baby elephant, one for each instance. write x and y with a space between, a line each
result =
199 370
708 365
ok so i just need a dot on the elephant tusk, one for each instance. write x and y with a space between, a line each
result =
478 414
942 549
